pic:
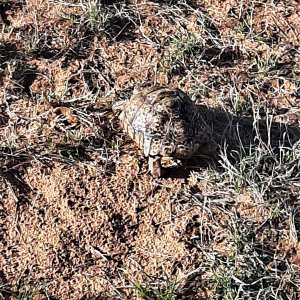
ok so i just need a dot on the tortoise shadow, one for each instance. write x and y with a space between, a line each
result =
235 134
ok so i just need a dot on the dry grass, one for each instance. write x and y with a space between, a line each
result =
80 216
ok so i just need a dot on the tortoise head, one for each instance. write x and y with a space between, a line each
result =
119 103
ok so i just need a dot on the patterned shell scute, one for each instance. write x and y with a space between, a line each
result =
162 121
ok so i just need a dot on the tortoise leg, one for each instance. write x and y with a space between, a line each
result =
155 166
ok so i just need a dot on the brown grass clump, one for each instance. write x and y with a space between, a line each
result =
80 216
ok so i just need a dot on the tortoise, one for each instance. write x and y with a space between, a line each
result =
164 123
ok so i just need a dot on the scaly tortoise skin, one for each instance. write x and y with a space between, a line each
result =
163 122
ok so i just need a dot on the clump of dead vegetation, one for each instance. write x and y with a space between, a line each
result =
80 216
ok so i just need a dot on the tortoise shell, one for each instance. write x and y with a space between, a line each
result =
163 122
